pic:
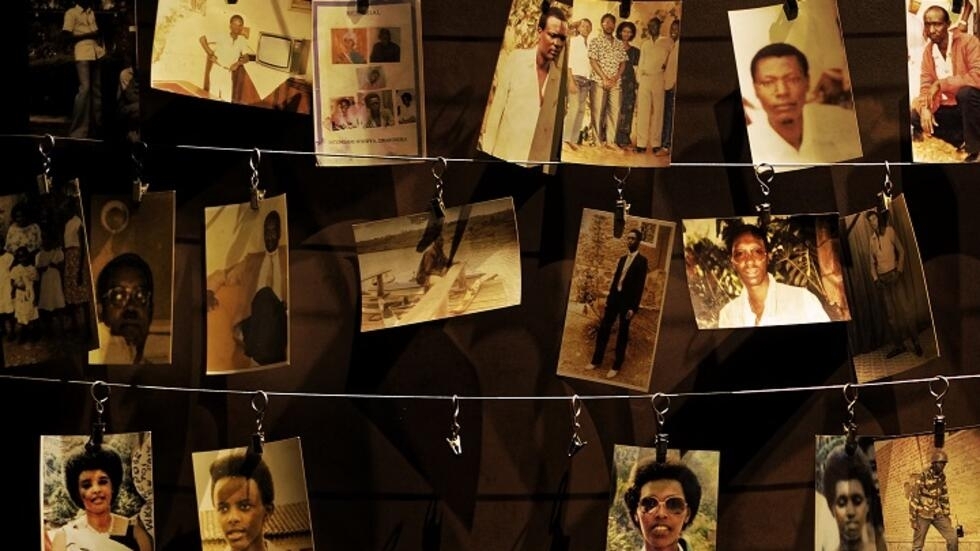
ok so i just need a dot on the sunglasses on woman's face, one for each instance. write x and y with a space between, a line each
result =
674 505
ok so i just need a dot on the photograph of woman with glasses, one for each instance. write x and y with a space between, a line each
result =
669 506
132 259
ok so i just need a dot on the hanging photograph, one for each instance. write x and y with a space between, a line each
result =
670 505
419 268
618 282
521 123
944 79
368 93
796 87
929 495
247 53
247 287
623 79
848 513
133 264
97 497
82 78
893 329
248 500
748 272
46 287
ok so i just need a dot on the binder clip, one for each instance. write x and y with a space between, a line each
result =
139 187
44 180
884 198
792 9
256 195
764 174
850 426
576 443
624 8
100 393
362 6
260 401
939 421
455 441
661 439
438 206
622 207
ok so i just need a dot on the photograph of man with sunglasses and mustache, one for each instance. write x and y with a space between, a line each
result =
669 506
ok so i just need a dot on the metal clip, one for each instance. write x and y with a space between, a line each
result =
884 198
764 174
661 440
624 8
577 443
622 207
454 440
850 426
260 401
44 180
139 187
438 206
100 393
256 195
792 9
939 421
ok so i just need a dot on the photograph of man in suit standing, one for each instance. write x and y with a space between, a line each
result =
622 304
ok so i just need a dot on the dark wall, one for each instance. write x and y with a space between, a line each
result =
379 471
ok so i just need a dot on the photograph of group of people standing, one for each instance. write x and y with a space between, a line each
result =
604 87
46 306
622 83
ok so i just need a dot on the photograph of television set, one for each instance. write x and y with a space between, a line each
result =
254 53
367 75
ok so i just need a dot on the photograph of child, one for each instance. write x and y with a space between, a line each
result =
253 501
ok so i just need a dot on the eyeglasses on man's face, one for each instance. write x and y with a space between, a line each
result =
756 254
674 505
119 296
